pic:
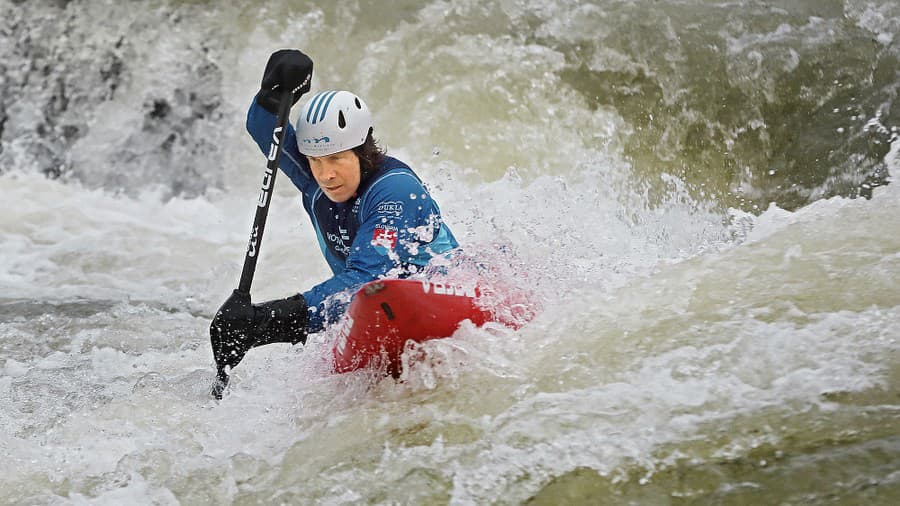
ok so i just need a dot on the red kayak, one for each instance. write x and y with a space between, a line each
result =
385 314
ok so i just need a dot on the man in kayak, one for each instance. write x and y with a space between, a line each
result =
371 213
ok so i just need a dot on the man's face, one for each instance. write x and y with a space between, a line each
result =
338 174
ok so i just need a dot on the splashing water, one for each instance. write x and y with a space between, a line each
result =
668 178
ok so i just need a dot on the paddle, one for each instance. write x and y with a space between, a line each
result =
227 341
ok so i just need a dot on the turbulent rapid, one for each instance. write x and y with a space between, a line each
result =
699 193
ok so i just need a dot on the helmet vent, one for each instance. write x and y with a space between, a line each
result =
342 123
358 105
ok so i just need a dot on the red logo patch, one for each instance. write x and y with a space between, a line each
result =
384 237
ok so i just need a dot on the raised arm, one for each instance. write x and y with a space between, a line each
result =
260 123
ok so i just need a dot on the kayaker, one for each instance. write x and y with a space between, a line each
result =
372 215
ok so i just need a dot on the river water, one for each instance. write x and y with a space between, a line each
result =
697 191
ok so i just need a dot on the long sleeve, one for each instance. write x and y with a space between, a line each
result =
260 124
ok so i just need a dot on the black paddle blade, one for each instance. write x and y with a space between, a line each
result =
229 336
219 386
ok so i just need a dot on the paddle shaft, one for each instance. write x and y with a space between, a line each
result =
265 193
259 224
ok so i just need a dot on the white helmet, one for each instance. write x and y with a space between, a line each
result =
332 121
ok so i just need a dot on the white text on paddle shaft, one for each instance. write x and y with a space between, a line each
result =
267 178
445 289
254 237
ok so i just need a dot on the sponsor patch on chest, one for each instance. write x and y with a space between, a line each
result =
393 208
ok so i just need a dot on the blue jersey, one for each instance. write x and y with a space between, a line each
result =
392 227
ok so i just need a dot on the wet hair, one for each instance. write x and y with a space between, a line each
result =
370 156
